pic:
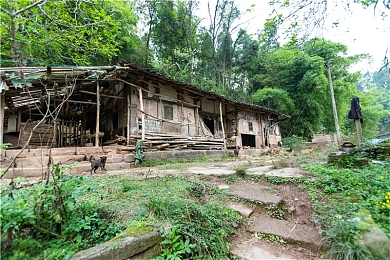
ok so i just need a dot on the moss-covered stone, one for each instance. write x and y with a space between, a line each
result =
372 237
133 232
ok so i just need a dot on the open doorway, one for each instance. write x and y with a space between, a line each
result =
210 124
248 140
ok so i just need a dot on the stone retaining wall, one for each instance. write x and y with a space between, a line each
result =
33 162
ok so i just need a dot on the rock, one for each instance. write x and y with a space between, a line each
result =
285 173
291 209
120 249
223 187
372 237
207 171
241 208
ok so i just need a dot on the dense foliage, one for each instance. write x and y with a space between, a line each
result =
71 32
215 53
50 221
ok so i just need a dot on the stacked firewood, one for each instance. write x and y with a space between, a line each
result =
155 142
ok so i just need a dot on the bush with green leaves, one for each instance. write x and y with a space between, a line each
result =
295 142
48 220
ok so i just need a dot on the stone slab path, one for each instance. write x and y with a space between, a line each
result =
257 196
306 236
251 251
212 171
285 173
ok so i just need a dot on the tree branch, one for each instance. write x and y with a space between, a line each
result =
65 25
29 7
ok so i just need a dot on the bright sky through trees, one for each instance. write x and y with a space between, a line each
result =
362 30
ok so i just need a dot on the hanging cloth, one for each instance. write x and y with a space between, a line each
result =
355 112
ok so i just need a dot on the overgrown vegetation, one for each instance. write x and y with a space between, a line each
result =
340 192
194 209
50 221
54 220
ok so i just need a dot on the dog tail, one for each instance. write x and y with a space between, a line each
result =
90 159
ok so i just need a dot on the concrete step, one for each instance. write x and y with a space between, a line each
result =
306 236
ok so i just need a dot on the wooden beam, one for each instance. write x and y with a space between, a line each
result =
102 95
75 101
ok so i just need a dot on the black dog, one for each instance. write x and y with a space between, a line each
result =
98 163
236 151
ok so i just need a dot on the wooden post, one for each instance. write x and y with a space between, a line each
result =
141 104
97 113
61 134
55 133
336 120
19 119
359 131
197 121
128 113
82 122
2 103
223 130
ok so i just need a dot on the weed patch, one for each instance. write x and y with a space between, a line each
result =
339 192
48 220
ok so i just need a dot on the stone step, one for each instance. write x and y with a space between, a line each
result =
257 193
306 236
243 209
251 251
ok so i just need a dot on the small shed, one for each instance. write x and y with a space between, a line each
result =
84 106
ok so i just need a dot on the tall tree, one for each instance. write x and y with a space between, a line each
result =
70 32
172 28
297 77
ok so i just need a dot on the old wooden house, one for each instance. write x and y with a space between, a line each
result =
85 106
